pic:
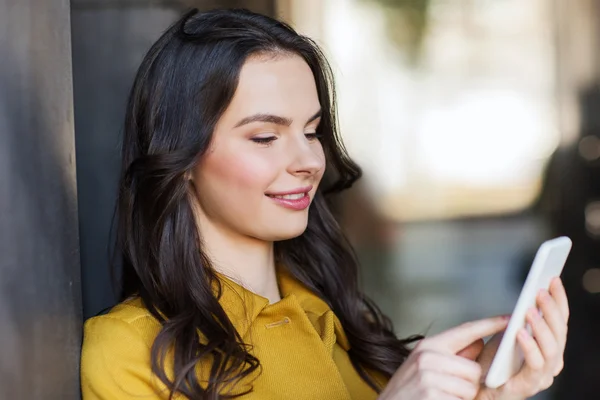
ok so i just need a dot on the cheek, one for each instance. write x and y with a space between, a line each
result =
321 154
238 173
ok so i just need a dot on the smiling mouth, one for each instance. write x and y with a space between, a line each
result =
292 201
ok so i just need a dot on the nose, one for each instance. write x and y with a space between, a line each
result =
308 157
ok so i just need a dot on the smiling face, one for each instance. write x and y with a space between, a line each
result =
263 166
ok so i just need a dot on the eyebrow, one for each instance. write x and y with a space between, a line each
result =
273 119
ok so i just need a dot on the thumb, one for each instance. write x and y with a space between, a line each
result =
472 351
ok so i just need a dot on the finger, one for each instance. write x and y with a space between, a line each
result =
543 335
557 290
449 365
553 316
490 349
534 360
472 351
456 339
449 384
528 380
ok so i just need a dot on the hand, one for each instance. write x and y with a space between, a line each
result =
434 370
543 352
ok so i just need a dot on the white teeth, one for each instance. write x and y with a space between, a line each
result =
291 196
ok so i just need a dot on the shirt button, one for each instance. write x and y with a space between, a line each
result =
285 320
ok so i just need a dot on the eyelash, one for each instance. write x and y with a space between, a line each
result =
314 135
268 140
264 140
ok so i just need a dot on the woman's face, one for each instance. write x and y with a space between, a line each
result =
264 163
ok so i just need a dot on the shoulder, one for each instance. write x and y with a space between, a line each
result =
127 321
129 318
115 358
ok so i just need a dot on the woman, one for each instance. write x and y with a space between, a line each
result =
237 281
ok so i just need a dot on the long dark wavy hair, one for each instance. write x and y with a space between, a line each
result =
185 82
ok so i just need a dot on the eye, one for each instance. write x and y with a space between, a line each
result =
264 140
313 136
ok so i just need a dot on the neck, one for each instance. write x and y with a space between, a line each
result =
248 261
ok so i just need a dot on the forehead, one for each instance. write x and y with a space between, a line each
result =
281 85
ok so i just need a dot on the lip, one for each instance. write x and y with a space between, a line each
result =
296 204
305 189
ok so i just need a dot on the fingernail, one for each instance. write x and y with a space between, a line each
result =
557 281
544 294
533 314
523 334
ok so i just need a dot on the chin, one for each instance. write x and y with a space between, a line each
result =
288 231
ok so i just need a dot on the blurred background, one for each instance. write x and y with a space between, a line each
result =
477 124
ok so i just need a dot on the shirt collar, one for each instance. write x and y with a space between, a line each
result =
242 306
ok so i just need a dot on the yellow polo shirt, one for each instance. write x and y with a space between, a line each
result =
299 342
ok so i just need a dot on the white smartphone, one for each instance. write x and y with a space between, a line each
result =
548 264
